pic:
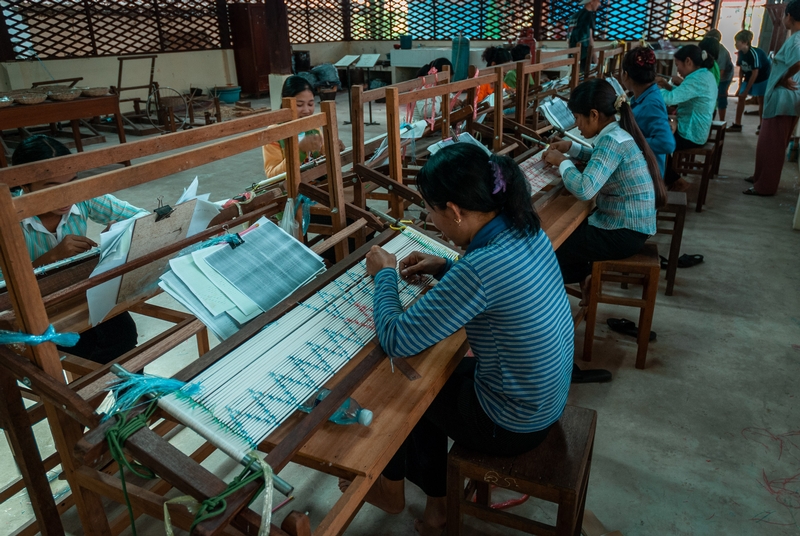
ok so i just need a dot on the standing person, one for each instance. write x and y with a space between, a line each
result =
781 108
507 292
725 73
649 110
754 68
61 234
695 99
621 171
581 29
311 144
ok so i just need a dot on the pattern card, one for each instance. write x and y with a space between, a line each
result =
538 172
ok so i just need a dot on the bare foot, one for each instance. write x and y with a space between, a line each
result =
388 495
423 529
585 288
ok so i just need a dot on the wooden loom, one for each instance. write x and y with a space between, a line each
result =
30 307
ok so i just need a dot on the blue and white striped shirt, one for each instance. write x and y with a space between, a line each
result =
508 292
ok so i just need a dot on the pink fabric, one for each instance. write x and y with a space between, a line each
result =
771 152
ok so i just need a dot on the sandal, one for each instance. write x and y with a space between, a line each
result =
752 191
687 261
627 327
664 262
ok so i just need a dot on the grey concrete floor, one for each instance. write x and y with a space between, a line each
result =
705 441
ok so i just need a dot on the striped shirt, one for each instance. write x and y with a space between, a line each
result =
508 293
104 210
617 172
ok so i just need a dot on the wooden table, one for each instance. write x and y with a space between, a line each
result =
26 115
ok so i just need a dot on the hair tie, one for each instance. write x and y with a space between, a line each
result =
704 55
619 101
499 181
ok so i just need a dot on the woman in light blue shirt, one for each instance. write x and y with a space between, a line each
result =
781 108
695 98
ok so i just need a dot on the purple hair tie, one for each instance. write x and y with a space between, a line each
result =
499 181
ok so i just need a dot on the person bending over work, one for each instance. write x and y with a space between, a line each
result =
695 99
311 144
754 70
649 110
61 234
621 171
508 294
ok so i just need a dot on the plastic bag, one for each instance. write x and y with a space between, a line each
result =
288 221
327 75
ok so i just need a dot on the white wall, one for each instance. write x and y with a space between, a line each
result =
178 70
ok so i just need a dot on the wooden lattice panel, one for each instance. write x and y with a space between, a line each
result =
52 29
315 21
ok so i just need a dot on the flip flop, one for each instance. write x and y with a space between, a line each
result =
664 262
752 191
687 261
627 327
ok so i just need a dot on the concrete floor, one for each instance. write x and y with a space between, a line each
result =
702 442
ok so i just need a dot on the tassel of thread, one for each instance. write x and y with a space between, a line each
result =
132 387
305 203
226 238
50 335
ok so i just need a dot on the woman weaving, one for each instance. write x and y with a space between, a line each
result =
508 294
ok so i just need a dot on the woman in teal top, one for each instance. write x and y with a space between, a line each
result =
695 99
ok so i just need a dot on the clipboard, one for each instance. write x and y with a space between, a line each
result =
148 236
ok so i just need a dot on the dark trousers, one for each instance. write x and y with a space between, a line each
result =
107 340
454 413
589 243
670 175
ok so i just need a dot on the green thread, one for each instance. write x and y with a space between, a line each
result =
214 506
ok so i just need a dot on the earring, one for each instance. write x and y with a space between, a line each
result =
458 221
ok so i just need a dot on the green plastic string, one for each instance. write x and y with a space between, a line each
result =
116 436
214 506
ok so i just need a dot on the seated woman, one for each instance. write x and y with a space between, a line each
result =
649 110
427 108
495 56
507 292
311 145
61 234
696 99
621 171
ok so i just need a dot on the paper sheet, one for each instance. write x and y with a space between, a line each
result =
269 266
538 172
209 295
247 306
223 326
204 210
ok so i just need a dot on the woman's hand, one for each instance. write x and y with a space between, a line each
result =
789 83
561 146
311 143
663 83
69 246
378 259
341 146
418 263
554 156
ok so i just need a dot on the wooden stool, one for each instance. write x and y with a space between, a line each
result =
641 269
556 471
685 162
717 137
675 212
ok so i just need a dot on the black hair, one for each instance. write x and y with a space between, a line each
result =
36 148
520 52
640 64
437 64
465 175
710 45
745 36
695 53
597 94
496 56
793 9
294 85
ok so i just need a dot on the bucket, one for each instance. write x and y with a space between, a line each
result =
228 94
405 42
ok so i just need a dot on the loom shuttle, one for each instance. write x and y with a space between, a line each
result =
248 461
534 140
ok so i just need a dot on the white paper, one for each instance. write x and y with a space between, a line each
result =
204 212
209 295
243 303
222 325
114 247
189 193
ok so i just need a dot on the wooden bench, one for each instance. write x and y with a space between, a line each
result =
640 269
556 471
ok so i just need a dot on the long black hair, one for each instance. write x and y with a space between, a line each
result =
295 85
699 57
36 148
710 45
496 56
465 175
640 64
597 94
438 64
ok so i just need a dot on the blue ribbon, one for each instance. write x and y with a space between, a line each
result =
50 335
306 203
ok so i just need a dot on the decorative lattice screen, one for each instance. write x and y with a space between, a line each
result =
75 28
79 28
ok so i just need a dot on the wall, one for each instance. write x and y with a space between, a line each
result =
178 70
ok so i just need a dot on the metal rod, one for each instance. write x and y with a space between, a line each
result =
41 270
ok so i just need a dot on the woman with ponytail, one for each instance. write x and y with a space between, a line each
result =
696 99
621 171
507 292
